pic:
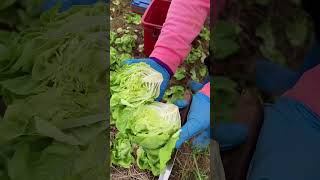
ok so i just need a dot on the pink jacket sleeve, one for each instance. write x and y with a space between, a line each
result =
184 22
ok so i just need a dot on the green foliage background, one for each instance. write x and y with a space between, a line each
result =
53 82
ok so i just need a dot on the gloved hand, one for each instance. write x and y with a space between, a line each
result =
158 67
288 146
276 79
66 4
228 135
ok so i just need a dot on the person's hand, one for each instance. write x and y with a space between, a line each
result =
288 146
156 66
66 4
198 120
288 141
276 79
228 135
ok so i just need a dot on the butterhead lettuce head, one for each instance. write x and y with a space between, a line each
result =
152 125
133 85
154 129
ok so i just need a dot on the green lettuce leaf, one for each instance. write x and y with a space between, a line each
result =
129 88
121 153
154 128
174 93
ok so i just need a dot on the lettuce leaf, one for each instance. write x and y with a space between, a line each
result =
154 128
53 82
128 88
156 160
121 153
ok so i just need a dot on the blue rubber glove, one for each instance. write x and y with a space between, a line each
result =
228 135
83 2
288 147
198 118
276 79
66 4
156 66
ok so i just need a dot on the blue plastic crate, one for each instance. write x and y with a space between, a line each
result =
139 6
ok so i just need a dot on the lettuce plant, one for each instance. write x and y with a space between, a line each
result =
133 85
154 129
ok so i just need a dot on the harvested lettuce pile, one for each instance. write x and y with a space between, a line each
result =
17 14
147 130
53 82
